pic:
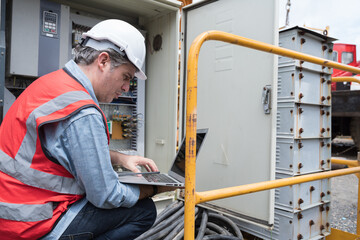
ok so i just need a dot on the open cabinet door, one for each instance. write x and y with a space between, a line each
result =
240 146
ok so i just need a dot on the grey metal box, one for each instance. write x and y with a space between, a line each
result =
303 121
308 42
302 156
312 223
305 86
302 196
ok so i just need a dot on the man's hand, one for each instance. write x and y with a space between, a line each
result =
130 162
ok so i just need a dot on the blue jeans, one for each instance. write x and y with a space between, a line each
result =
119 223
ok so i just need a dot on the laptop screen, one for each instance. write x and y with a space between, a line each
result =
179 164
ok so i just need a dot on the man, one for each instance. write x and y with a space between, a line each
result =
56 176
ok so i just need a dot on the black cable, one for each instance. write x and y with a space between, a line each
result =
176 205
221 237
217 228
161 225
229 222
202 228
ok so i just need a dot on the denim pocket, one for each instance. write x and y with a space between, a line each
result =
78 236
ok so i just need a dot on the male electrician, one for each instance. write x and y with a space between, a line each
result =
56 174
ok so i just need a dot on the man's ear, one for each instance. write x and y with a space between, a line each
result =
102 60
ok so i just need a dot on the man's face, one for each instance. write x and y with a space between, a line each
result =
115 81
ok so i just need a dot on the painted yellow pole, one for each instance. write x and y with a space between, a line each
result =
191 115
261 186
346 79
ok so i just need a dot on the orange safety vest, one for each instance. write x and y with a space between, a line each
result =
34 189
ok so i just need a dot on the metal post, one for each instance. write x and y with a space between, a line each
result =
2 57
358 204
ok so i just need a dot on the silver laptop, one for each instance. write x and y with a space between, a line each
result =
176 174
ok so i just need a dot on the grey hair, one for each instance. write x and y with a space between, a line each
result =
86 55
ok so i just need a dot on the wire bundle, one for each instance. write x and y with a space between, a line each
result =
169 225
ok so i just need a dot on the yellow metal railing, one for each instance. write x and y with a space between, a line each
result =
191 197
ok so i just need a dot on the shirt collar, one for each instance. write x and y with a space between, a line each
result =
74 69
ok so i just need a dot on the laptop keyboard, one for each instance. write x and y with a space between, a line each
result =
158 178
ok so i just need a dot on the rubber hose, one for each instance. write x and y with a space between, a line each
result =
202 228
175 227
217 229
180 235
228 221
162 225
167 212
221 237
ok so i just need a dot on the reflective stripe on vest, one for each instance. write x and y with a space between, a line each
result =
24 156
26 212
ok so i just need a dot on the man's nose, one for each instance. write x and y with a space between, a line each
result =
126 87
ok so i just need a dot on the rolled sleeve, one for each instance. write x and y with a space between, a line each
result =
80 144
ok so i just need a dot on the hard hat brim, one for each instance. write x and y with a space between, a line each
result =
140 75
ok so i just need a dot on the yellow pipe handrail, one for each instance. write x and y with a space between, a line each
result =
346 79
191 113
267 185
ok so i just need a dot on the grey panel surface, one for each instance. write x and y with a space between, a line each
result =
238 149
24 59
65 36
161 89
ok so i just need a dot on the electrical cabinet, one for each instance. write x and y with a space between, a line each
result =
240 144
147 114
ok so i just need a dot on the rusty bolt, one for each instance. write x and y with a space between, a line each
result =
301 76
328 82
327 113
299 236
301 95
328 129
323 130
291 111
301 130
327 224
322 144
311 222
301 110
291 129
293 38
322 208
328 145
322 80
291 93
323 67
312 188
290 165
324 47
328 160
322 162
322 227
323 98
300 216
302 40
300 201
322 194
293 74
300 145
291 147
290 202
328 98
328 192
322 112
327 208
300 165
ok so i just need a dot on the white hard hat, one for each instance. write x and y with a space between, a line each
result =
122 37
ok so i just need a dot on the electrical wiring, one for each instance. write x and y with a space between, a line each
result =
169 225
